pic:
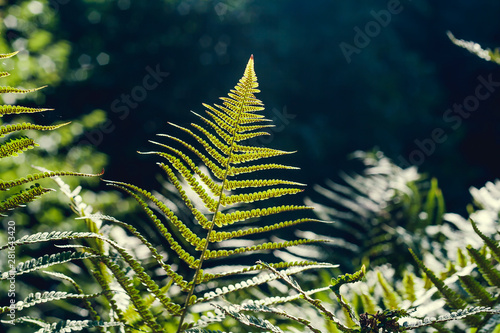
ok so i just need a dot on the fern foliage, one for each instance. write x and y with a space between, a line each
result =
378 212
231 210
230 188
13 146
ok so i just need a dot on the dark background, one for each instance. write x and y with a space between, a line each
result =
394 91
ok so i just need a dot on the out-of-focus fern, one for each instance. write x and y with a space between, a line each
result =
379 213
17 145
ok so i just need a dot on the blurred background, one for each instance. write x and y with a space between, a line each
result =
336 76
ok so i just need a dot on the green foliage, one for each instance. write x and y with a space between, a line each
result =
16 145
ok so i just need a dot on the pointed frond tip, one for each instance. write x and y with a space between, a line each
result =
18 109
12 90
5 185
8 55
28 126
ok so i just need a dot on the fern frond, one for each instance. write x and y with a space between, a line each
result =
93 313
278 312
476 290
5 185
235 312
215 254
490 273
224 219
457 315
22 198
185 231
391 298
15 146
256 196
47 296
235 171
27 319
46 261
451 297
237 184
77 325
256 281
13 90
18 109
8 55
280 265
347 278
219 236
28 126
207 181
156 255
490 243
315 303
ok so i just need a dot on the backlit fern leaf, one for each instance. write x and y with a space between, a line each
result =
232 193
15 146
27 126
22 198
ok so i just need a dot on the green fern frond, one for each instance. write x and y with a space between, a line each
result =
16 146
5 185
490 243
93 313
485 266
219 236
27 126
22 198
225 219
391 299
452 298
156 255
280 265
347 278
18 109
476 290
13 90
409 286
8 55
260 247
